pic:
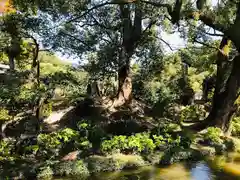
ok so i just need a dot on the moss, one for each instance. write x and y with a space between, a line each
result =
100 163
177 154
232 144
154 158
220 148
114 162
71 168
45 173
207 151
79 168
129 161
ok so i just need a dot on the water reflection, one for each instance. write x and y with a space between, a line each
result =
201 171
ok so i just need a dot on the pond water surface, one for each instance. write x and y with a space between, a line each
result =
221 167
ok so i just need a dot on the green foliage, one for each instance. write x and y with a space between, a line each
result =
6 149
53 142
192 113
236 126
45 173
213 135
4 114
140 142
46 109
71 168
143 143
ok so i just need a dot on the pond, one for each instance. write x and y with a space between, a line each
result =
221 167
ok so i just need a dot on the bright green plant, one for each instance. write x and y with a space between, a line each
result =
213 135
140 142
6 148
53 142
192 113
236 126
47 109
4 114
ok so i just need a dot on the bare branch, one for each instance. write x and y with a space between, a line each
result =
205 44
73 37
152 22
165 42
96 7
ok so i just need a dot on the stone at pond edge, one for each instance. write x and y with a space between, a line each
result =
177 154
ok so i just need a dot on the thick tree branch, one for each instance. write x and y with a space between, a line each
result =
207 19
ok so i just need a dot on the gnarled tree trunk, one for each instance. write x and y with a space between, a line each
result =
132 32
224 101
124 94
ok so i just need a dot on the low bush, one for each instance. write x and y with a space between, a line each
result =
51 144
143 143
140 142
212 136
192 113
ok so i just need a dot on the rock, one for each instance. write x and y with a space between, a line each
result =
71 156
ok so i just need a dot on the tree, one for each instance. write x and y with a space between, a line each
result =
224 18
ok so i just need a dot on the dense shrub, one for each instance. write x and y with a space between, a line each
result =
51 144
6 147
212 135
93 133
136 143
144 143
192 113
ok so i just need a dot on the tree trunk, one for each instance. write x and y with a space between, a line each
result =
124 95
11 62
224 100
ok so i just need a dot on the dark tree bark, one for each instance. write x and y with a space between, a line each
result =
223 106
131 36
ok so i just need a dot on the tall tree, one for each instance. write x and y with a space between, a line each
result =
193 19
